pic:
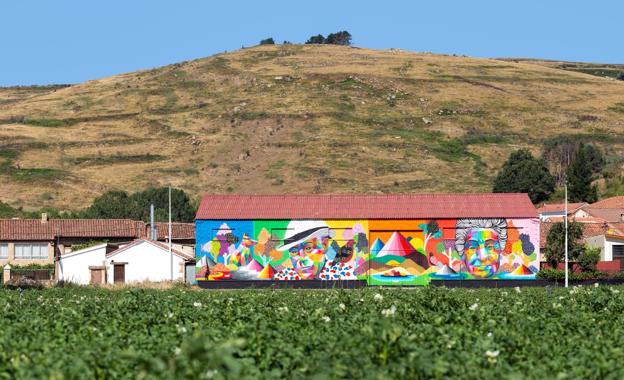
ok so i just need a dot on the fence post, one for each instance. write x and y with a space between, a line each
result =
6 275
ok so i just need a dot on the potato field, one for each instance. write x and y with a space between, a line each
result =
183 333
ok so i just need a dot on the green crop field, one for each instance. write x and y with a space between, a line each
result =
77 333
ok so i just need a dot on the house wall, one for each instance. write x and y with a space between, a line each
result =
13 261
146 262
382 252
74 267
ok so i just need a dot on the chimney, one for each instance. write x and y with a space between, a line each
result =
152 225
44 217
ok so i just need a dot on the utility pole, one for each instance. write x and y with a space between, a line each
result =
170 251
565 186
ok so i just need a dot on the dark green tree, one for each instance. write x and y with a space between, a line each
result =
182 209
555 243
579 177
112 204
339 38
267 41
318 39
620 75
523 173
119 205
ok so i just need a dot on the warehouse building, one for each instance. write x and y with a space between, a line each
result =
407 239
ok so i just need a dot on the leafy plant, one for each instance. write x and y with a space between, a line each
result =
523 173
588 259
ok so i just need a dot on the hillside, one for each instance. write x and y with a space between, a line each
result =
295 119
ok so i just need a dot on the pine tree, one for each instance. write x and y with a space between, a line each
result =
579 177
523 173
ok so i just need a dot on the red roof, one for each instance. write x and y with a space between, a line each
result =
178 230
560 207
35 229
613 202
158 244
397 206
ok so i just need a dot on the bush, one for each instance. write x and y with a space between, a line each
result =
620 76
318 39
551 274
588 259
267 41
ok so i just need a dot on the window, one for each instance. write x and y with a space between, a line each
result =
31 250
4 251
618 251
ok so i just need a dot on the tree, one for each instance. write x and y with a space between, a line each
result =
339 38
523 173
620 75
555 243
579 176
318 39
119 205
182 209
110 205
267 41
559 152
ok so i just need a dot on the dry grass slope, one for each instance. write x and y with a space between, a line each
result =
295 119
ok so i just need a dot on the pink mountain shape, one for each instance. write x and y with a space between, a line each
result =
254 266
397 245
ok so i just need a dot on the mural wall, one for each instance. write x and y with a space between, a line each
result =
382 252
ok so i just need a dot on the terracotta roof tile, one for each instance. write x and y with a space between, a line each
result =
613 202
560 207
178 230
403 206
34 229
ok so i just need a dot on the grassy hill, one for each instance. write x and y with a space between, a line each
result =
296 119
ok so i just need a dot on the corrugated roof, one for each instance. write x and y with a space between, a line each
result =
396 206
35 229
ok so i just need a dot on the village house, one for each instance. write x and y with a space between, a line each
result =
602 223
73 242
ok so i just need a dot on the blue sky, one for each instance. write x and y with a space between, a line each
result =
70 41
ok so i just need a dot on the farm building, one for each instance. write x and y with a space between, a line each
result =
378 239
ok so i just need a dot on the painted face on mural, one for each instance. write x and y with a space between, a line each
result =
481 242
307 242
482 252
308 257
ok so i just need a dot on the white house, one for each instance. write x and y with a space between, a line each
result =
146 260
84 266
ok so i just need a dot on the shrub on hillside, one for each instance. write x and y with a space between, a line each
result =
267 41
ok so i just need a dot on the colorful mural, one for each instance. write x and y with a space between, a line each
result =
382 252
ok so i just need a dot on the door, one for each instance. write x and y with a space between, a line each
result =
96 276
119 274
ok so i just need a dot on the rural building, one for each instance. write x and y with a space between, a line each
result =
405 239
602 223
145 260
39 241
